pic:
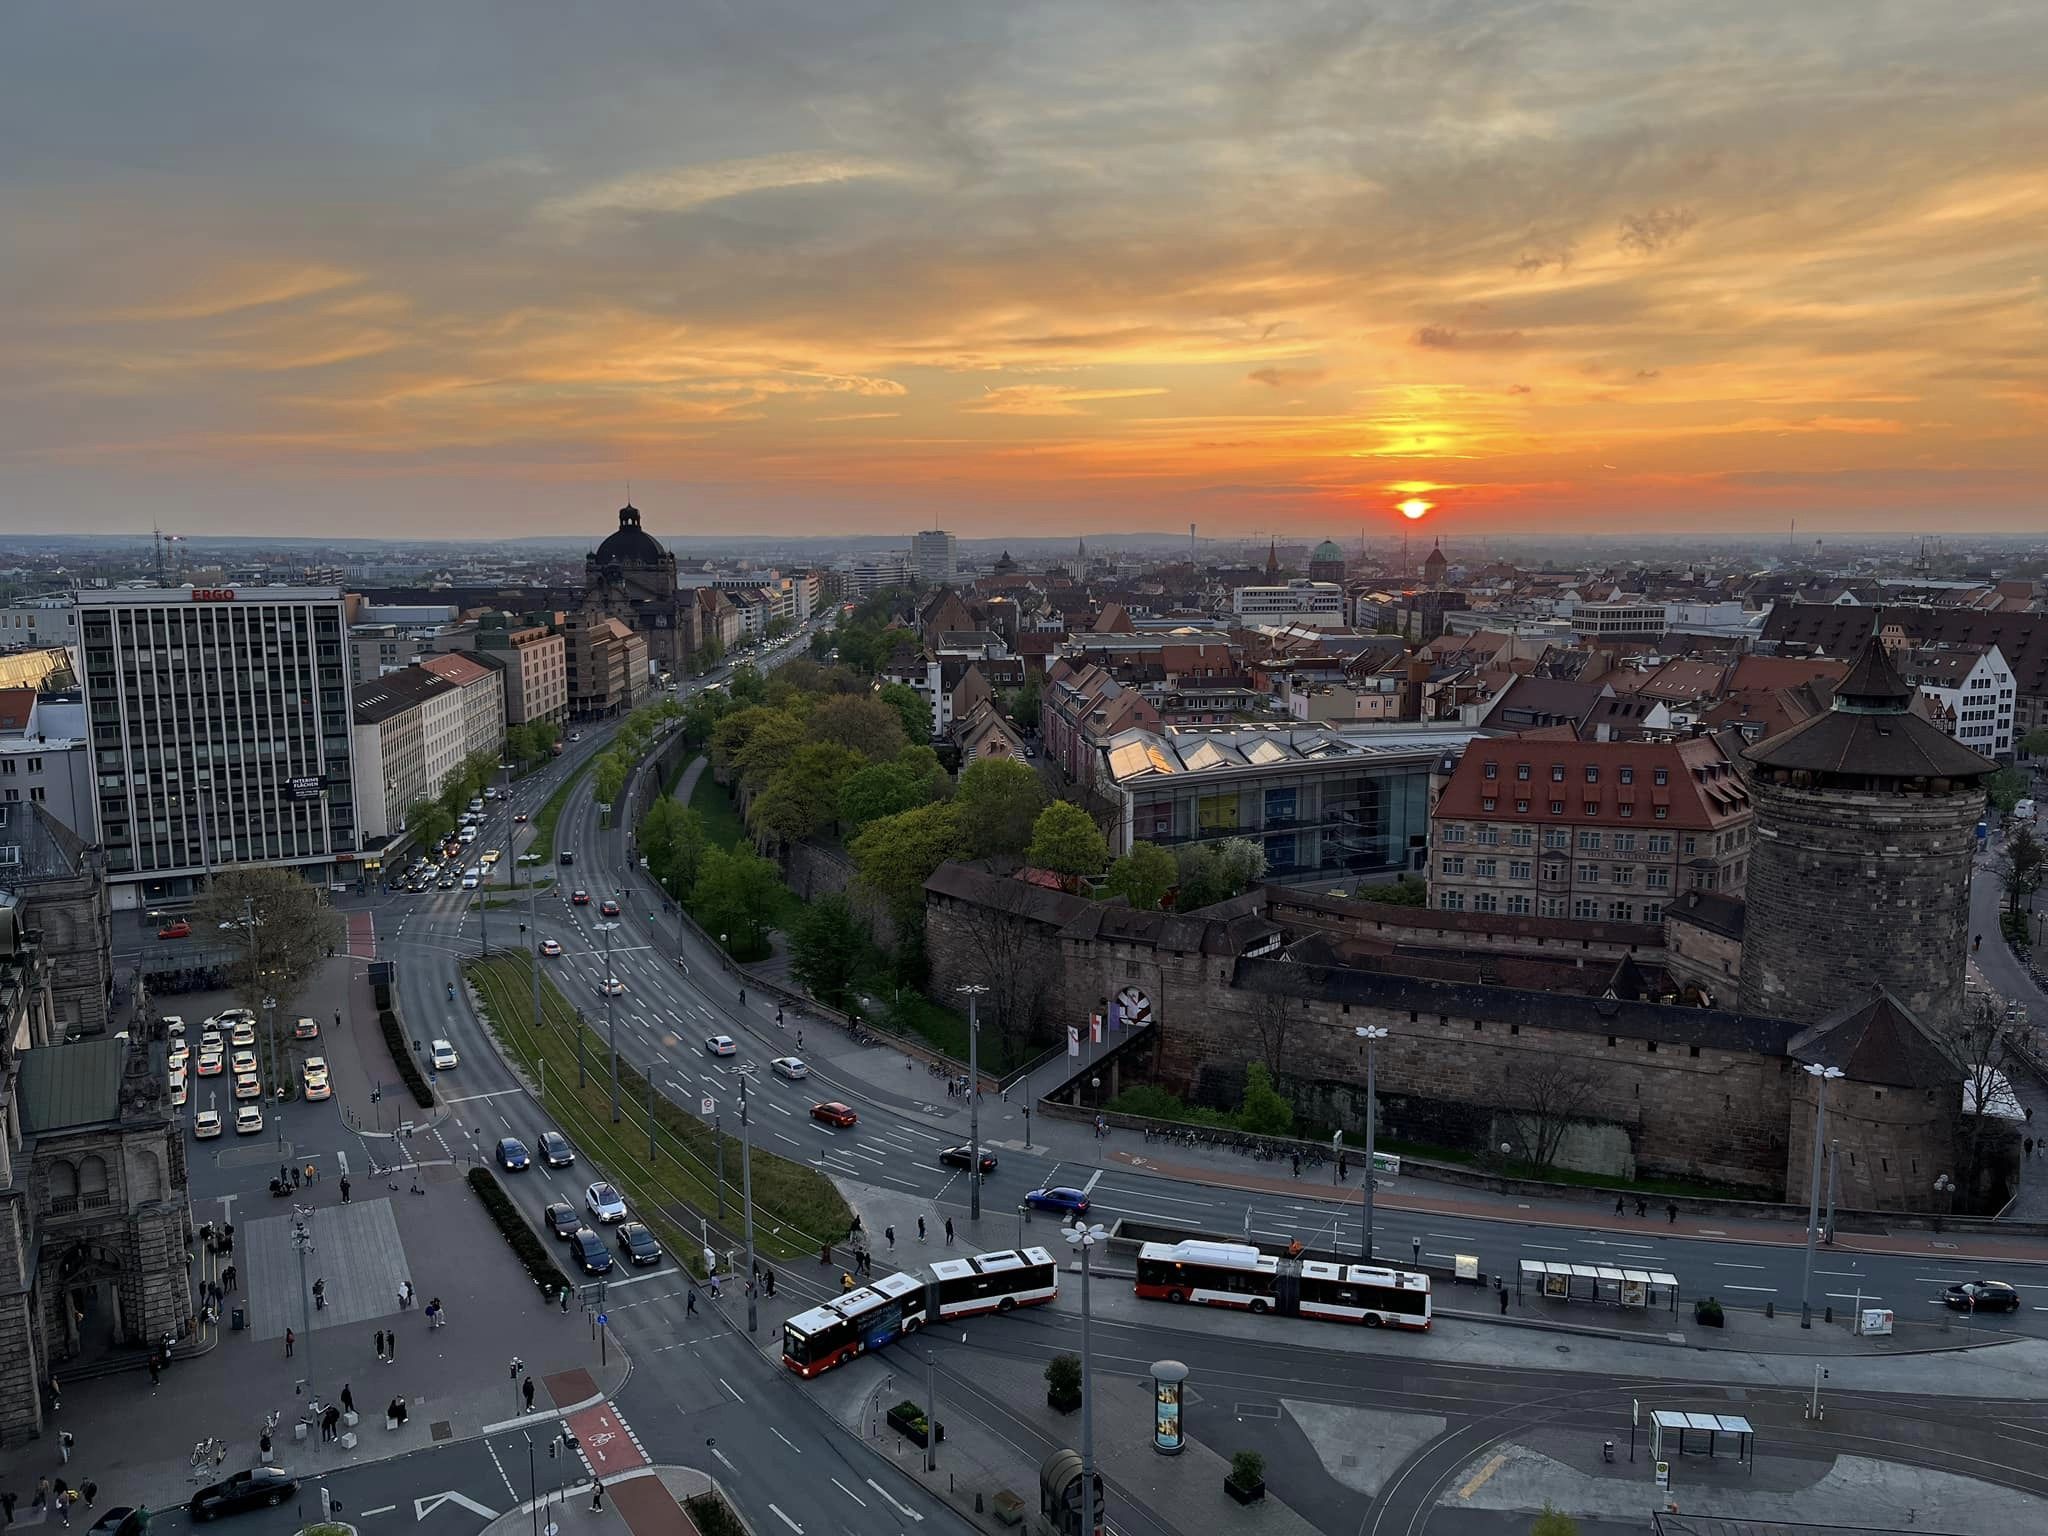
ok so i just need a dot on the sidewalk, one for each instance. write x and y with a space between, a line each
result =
645 1502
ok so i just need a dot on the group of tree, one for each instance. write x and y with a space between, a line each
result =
532 742
2021 868
629 744
1192 877
278 927
864 638
432 820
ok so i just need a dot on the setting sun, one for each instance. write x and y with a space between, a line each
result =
1414 507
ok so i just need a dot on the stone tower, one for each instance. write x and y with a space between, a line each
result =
1859 879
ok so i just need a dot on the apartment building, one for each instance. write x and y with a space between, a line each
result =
1313 604
409 737
935 556
482 681
1594 830
220 733
607 666
1972 687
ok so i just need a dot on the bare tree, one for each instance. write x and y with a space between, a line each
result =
1007 953
1271 1019
1551 1095
1981 1041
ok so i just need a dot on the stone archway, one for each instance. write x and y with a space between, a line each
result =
87 1287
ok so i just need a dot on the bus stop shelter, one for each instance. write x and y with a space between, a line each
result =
1601 1284
1665 1422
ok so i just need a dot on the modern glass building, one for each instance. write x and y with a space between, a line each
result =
1325 803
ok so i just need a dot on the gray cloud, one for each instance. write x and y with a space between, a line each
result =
1442 338
1645 234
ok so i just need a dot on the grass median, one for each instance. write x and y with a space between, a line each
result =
796 1208
551 812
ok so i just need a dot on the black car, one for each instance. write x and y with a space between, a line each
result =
564 1220
638 1244
956 1157
257 1488
512 1154
119 1521
555 1150
590 1252
1982 1296
568 857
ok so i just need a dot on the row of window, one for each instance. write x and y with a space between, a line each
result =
1590 839
1625 809
1624 774
1584 908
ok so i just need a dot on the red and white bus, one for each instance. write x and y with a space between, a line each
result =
1355 1293
1217 1274
899 1304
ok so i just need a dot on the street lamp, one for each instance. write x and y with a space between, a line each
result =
611 1023
747 1196
1370 1034
1822 1076
974 991
302 1240
1087 1236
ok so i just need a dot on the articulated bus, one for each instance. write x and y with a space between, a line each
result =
902 1303
1240 1275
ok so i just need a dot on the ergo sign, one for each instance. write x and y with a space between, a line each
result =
213 594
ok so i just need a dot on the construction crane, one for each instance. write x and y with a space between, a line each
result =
162 539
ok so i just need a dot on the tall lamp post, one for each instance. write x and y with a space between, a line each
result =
1371 1034
974 991
302 1240
611 1023
1087 1236
1822 1076
747 1197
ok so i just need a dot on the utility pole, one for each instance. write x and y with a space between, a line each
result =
302 1240
1085 1236
931 1411
974 990
1834 1178
1822 1076
747 1199
1371 1034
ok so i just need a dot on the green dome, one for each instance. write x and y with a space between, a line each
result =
1327 550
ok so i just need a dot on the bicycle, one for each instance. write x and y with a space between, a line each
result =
207 1455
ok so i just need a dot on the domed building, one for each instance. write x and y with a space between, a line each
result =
632 577
1326 562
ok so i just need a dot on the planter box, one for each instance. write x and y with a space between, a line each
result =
912 1429
1250 1495
1059 1404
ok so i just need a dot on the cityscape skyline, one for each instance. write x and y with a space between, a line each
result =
942 267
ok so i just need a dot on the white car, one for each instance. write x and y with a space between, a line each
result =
720 1045
248 1119
234 1016
611 986
306 1029
791 1067
178 1090
209 1063
550 946
443 1056
206 1124
247 1087
604 1202
316 1079
242 1062
244 1033
177 1057
174 1027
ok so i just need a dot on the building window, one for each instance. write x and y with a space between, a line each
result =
1454 901
1521 837
1690 844
1556 837
1492 770
1557 807
1489 804
1586 909
1454 864
1626 775
1452 833
1550 906
1592 773
1624 874
1557 773
1660 842
1653 912
1518 869
1485 901
1589 874
1518 906
1484 869
1658 813
1624 842
1487 837
1522 807
1522 771
1621 912
1589 842
1625 809
1660 775
1592 807
1657 879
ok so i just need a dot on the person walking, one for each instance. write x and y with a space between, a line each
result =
263 1447
89 1491
526 1388
7 1508
380 1343
690 1303
1671 1213
65 1496
391 1346
230 1278
889 1236
156 1371
330 1424
768 1280
920 1229
1642 1206
42 1497
1297 1165
597 1494
320 1295
348 1399
1503 1301
344 1190
949 1231
290 1339
1619 1208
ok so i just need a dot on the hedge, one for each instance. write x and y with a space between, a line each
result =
533 1253
401 1054
713 1516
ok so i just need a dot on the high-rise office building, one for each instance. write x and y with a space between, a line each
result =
933 556
220 734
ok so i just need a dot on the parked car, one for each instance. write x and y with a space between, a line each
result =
555 1150
604 1202
443 1056
957 1157
243 1032
120 1521
834 1113
209 1063
512 1154
608 907
176 1058
256 1488
178 929
791 1067
1982 1296
563 1219
720 1045
550 946
247 1086
1058 1197
179 1092
638 1244
317 1086
248 1119
306 1029
206 1124
242 1062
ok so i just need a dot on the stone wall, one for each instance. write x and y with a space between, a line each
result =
1700 955
1852 891
1473 932
1894 1143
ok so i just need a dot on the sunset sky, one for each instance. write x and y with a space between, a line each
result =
812 266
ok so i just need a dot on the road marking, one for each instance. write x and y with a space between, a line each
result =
790 1139
863 1503
381 1509
1710 1231
778 1434
901 1509
421 1508
1546 1247
1726 1264
1839 1274
1845 1296
1093 1179
728 1387
786 1520
470 1098
735 1471
1768 1290
1479 1478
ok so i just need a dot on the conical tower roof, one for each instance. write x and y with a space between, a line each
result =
1870 732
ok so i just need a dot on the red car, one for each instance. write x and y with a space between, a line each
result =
834 1113
609 907
580 898
179 929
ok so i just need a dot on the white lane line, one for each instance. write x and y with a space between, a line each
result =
471 1098
790 1139
381 1509
1546 1247
1726 1264
1768 1290
901 1509
1839 1274
1094 1179
778 1514
1843 1296
778 1434
863 1503
728 1387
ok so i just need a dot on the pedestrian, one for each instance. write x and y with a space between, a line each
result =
526 1388
949 1231
228 1277
89 1491
284 1174
889 1236
1297 1165
1642 1206
312 1173
348 1399
1343 1167
562 1294
290 1339
401 1298
1618 1208
7 1507
391 1345
380 1343
852 1229
56 1393
328 1420
799 1039
1503 1301
320 1294
920 1229
42 1493
778 1016
1671 1213
768 1280
690 1303
65 1496
65 1441
263 1446
597 1494
156 1371
2029 1144
410 1297
344 1191
295 1178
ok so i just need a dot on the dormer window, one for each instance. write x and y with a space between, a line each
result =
1628 775
1557 773
1522 771
1660 775
1592 774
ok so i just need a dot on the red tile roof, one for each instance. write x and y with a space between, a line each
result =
1703 790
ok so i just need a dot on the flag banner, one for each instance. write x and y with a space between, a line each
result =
1073 1041
1095 1029
1116 1013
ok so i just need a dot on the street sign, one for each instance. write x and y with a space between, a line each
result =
1663 1474
604 1319
708 1106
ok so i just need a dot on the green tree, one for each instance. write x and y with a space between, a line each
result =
1402 891
869 726
2035 742
911 708
878 790
671 835
747 685
1024 703
771 744
1553 1522
737 894
277 927
1142 877
897 854
428 822
1066 841
703 715
826 947
610 777
2021 868
923 764
804 794
1213 872
731 733
1264 1112
2005 789
998 800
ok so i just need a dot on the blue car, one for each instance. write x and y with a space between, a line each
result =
1058 1197
512 1154
591 1255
